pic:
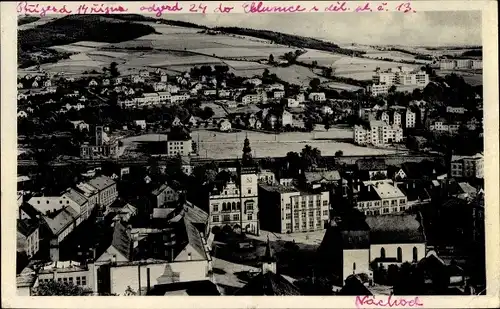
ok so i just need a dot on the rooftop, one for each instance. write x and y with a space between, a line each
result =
268 284
324 176
372 164
196 288
386 190
27 226
75 196
395 229
101 182
58 221
62 266
278 188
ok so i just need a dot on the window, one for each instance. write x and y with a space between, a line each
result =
70 280
386 210
288 216
215 219
233 206
215 207
296 214
311 223
296 205
304 224
325 212
385 203
303 215
303 204
249 191
224 207
415 254
288 226
353 267
238 205
382 252
226 218
249 206
236 217
311 202
250 217
65 280
318 213
402 201
84 280
394 202
225 192
400 254
402 208
325 203
288 206
59 279
318 202
296 226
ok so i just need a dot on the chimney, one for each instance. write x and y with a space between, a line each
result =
368 188
148 283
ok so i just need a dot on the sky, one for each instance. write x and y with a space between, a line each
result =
388 28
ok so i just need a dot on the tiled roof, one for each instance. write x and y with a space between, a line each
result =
353 286
60 220
328 176
27 226
371 164
121 240
268 284
75 196
101 182
395 229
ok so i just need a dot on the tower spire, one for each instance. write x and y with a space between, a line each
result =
247 152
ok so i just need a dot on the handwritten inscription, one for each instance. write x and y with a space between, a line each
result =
205 7
388 302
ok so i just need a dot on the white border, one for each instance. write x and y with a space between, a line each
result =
9 155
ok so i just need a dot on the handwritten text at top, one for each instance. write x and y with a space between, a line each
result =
204 7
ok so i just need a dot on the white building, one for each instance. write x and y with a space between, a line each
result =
455 110
140 123
378 89
467 166
380 197
225 125
286 118
378 134
410 119
254 98
317 96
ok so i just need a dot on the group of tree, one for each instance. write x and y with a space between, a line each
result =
307 159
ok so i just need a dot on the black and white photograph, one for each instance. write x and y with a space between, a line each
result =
251 155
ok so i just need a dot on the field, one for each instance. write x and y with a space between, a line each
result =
217 145
361 68
472 78
341 86
323 58
395 55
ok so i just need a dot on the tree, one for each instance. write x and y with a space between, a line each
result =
314 63
309 124
327 125
271 58
392 89
339 153
53 288
130 292
113 69
314 83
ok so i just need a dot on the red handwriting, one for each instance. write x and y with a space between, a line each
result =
339 7
100 8
223 9
389 302
159 9
259 7
25 8
204 7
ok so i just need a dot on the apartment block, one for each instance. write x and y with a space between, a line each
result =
379 133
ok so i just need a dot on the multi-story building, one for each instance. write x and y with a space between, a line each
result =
467 166
317 96
236 203
455 110
378 89
254 98
28 236
103 146
376 197
410 118
106 188
67 272
81 200
452 64
177 144
290 210
90 193
378 134
163 195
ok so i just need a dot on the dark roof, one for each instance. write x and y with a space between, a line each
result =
334 236
27 226
371 164
120 240
197 288
367 195
412 170
268 284
353 224
414 193
353 286
395 229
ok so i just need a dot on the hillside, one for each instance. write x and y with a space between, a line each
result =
74 28
26 20
290 39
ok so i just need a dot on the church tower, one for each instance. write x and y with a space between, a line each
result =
249 200
269 260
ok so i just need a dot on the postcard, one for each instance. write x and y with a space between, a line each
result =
335 154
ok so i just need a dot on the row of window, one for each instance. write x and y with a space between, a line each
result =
385 211
232 206
310 204
227 218
79 280
318 225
